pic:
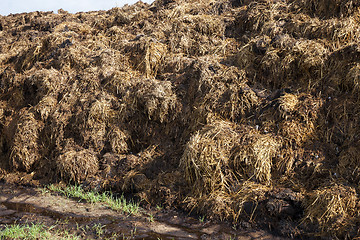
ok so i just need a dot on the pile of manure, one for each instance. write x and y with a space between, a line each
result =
240 111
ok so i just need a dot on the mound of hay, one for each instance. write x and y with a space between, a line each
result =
76 166
240 98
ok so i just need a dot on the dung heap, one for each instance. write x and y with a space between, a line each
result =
241 111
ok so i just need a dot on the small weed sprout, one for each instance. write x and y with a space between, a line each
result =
114 203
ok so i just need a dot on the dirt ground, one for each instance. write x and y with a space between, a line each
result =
26 205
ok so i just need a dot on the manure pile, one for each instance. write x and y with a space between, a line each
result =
242 111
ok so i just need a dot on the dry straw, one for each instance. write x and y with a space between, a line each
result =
118 141
25 149
332 207
327 8
348 165
158 99
148 55
220 157
76 166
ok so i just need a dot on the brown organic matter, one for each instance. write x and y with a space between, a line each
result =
240 111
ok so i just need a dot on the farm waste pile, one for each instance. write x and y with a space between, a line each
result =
240 111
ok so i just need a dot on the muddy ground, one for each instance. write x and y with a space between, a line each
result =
26 205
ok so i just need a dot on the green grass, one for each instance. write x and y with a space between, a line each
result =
117 204
151 217
98 229
34 231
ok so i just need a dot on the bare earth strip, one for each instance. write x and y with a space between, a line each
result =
30 205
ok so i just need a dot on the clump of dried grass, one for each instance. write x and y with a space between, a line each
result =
3 108
158 99
254 155
42 50
206 157
332 207
349 162
294 118
228 94
197 35
303 60
206 25
119 17
25 149
258 14
338 31
77 27
134 178
310 57
218 158
100 111
119 82
352 79
300 127
297 131
287 104
222 91
98 117
148 55
118 141
246 56
327 8
229 206
76 166
40 83
46 106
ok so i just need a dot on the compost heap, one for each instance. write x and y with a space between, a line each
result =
241 111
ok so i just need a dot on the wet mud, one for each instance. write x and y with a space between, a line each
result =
25 205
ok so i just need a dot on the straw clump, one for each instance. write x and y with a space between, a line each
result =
332 208
158 99
118 141
25 144
348 165
222 155
328 8
229 206
149 57
76 166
